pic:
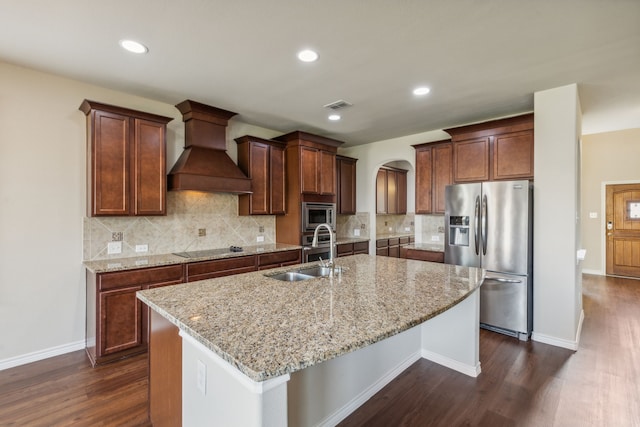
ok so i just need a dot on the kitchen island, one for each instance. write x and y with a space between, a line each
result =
260 351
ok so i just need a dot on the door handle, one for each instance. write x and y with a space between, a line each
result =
475 225
501 280
484 225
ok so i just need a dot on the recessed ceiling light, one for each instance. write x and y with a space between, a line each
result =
334 117
419 91
307 55
133 46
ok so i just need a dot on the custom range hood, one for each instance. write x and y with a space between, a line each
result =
204 165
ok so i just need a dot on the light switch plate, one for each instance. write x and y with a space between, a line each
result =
114 248
142 248
435 238
260 239
593 215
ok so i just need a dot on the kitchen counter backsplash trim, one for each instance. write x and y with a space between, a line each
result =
123 264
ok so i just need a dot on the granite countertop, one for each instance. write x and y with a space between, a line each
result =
343 240
433 247
120 264
267 328
393 235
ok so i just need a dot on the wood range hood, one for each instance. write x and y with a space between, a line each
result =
204 164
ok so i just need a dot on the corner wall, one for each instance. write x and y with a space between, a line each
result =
557 285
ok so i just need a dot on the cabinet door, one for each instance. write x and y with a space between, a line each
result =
277 180
513 155
149 168
392 192
381 192
401 192
259 173
121 320
327 177
442 174
471 160
346 186
423 180
109 159
309 170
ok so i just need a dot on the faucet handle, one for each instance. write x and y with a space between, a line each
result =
322 263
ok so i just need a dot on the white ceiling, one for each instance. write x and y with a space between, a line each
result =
482 59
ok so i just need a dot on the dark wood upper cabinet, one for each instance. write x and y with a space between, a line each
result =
434 171
496 150
346 189
391 191
263 162
126 161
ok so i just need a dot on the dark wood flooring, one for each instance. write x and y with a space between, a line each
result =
521 384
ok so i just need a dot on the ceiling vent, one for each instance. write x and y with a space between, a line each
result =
338 105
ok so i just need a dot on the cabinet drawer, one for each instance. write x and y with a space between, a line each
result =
382 243
394 241
361 248
404 240
425 255
218 268
278 258
144 276
345 249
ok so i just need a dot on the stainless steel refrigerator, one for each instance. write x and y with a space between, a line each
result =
490 225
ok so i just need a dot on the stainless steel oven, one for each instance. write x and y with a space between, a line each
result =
314 214
310 254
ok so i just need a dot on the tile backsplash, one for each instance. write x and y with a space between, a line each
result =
431 225
347 224
188 212
386 224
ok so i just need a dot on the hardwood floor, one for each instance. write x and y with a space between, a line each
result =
521 384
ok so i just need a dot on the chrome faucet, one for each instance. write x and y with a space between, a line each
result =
314 243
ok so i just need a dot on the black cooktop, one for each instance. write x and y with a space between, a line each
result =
208 252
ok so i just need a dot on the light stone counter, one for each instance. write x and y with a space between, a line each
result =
268 328
431 247
120 264
343 240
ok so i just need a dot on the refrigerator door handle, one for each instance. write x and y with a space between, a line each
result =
501 280
484 225
475 225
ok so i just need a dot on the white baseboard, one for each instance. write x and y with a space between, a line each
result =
40 355
595 272
367 394
472 371
560 342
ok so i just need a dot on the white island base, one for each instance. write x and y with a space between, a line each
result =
214 393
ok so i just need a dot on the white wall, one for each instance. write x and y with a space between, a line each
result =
557 285
42 204
610 157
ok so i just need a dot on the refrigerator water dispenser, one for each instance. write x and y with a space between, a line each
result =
459 230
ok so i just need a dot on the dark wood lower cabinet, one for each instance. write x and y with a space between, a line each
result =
165 372
421 255
117 323
346 249
392 246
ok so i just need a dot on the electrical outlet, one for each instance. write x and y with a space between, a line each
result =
260 239
435 238
363 226
390 229
593 215
116 236
202 232
142 248
261 229
356 232
202 378
114 248
441 229
407 229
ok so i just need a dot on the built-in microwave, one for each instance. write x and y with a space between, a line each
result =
314 214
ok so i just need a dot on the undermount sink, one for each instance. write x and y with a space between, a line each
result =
305 273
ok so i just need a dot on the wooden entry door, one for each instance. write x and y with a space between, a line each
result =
623 230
